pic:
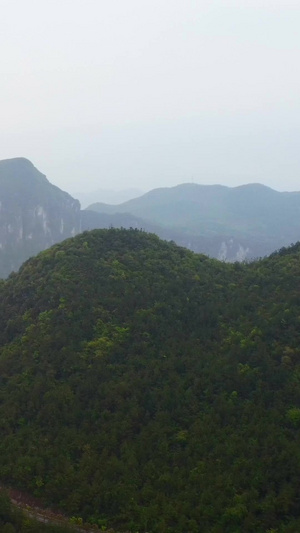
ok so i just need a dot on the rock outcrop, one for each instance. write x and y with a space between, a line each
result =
34 214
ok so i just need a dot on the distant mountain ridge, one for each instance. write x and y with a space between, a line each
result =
107 196
236 223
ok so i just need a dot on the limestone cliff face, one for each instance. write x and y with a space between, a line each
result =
34 214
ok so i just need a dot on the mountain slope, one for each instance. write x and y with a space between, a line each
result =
219 246
150 388
249 219
106 195
34 214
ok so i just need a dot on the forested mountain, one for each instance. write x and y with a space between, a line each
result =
34 214
236 223
148 388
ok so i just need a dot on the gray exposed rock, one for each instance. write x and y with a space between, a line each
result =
34 214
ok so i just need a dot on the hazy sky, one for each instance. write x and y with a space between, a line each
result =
149 93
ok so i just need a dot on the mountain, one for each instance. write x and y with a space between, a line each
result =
228 223
106 195
148 388
231 224
219 246
93 220
34 214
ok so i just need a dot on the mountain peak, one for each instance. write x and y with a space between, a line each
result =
17 163
18 160
20 170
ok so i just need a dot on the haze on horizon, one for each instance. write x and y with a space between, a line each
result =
152 93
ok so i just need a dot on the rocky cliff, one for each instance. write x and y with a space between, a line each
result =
34 214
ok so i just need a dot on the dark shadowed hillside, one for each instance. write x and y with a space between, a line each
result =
152 389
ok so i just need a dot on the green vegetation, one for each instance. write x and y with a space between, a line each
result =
150 389
13 520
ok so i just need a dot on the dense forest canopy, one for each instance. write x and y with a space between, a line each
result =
151 389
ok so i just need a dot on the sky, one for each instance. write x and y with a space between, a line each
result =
152 93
